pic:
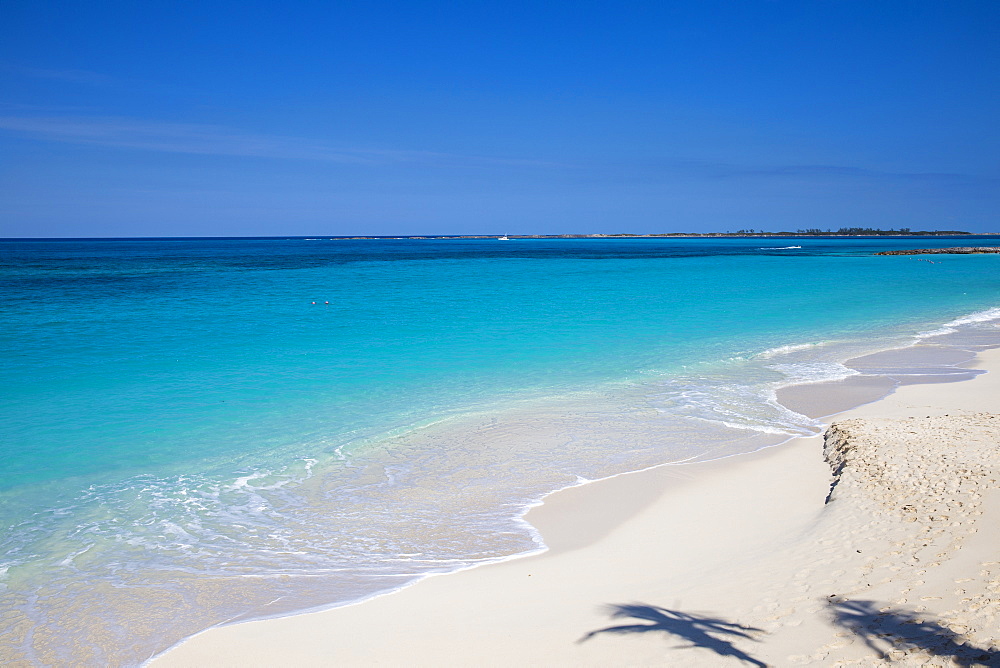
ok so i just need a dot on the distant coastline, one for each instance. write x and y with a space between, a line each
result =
965 250
697 235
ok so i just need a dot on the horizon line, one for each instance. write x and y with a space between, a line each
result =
595 235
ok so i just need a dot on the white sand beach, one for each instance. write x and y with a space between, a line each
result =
741 561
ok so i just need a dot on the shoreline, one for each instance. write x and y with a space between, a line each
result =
617 534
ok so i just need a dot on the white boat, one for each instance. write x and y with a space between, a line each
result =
503 238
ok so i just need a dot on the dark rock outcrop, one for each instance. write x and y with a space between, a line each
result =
964 250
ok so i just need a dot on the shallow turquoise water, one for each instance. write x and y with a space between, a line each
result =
159 393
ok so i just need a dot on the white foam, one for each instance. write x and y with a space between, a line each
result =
976 318
736 406
804 373
790 348
68 561
979 316
941 331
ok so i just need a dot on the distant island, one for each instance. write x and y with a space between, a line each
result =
811 232
964 250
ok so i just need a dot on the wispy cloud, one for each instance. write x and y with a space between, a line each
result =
84 77
167 137
839 171
218 140
722 170
203 139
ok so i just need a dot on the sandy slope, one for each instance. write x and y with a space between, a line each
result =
739 562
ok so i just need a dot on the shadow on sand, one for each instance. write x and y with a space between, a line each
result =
886 629
708 632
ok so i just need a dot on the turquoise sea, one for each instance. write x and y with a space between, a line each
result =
200 431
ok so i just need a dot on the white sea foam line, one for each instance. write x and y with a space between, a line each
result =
976 317
785 422
68 561
804 373
932 333
739 406
790 348
791 432
979 316
807 373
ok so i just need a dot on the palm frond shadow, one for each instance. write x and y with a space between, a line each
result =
701 631
884 629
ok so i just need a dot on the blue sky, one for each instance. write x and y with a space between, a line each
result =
159 118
